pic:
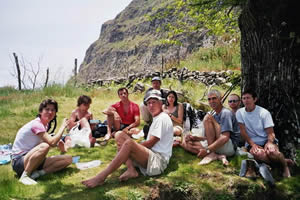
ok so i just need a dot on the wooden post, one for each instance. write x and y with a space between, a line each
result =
162 65
18 70
75 72
47 78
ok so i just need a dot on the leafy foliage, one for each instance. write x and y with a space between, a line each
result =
219 17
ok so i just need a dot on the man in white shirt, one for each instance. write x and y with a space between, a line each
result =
151 156
256 126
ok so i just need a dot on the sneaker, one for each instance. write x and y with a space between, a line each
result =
26 180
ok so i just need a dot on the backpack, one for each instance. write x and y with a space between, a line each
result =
100 130
191 117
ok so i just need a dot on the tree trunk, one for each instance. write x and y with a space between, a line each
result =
18 70
47 77
270 52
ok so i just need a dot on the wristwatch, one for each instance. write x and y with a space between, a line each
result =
207 150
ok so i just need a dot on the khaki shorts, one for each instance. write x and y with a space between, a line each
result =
156 164
227 149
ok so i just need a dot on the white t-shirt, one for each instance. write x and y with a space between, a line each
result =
27 137
256 122
162 128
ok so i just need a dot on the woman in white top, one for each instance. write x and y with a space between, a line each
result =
175 111
32 144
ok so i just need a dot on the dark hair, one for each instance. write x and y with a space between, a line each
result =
83 99
251 92
175 95
121 89
43 105
47 102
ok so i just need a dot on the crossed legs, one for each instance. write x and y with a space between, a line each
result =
34 158
128 150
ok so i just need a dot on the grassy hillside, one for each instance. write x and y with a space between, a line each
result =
183 179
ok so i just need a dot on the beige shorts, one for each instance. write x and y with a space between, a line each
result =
227 149
156 164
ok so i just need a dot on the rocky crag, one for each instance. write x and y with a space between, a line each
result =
130 43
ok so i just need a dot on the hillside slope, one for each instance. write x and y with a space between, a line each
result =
130 43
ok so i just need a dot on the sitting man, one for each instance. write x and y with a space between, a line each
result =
156 83
220 137
123 115
256 127
151 156
79 124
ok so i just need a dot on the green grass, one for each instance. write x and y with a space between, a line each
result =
183 177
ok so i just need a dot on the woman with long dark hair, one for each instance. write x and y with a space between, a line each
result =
175 110
32 144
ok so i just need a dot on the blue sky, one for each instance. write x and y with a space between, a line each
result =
52 31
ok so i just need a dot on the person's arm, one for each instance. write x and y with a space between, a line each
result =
224 137
270 146
254 147
178 119
53 140
72 120
136 123
151 142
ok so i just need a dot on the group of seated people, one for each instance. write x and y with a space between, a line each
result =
223 132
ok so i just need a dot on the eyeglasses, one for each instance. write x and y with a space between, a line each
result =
233 101
213 98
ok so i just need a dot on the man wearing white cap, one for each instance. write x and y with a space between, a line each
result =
151 156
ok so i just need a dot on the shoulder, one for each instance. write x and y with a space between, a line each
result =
117 104
226 111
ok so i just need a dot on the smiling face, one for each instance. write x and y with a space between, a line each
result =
154 106
48 113
214 101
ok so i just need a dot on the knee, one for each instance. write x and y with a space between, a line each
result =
273 154
119 136
44 147
68 160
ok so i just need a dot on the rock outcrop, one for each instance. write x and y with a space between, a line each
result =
130 43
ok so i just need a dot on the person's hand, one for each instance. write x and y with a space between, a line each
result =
270 147
65 122
197 138
202 153
188 137
88 116
255 149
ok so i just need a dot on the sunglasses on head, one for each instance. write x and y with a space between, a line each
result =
233 101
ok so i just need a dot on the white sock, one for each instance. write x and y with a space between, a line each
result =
36 174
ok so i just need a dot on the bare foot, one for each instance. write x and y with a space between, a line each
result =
128 174
223 159
290 162
107 136
209 158
93 182
286 172
61 146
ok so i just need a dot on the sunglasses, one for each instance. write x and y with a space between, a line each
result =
233 101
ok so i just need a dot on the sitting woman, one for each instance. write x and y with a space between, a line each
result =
32 144
79 126
175 111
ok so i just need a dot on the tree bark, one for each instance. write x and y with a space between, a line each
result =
18 70
270 52
47 78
